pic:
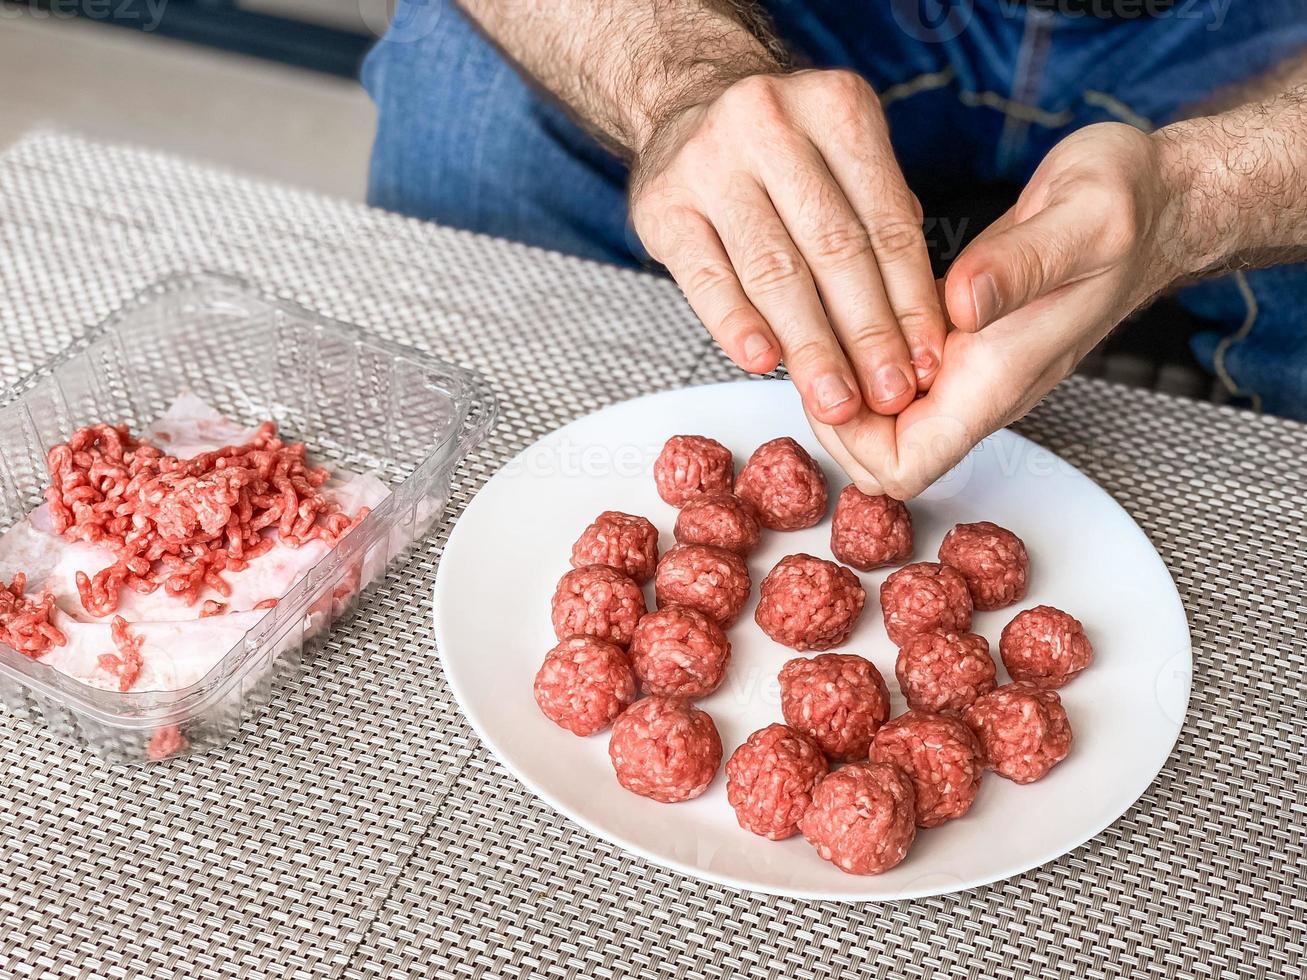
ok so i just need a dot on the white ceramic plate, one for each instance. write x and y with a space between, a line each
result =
1087 556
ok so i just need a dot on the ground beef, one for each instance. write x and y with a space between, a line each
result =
785 486
665 749
680 652
1023 730
126 661
770 780
862 818
838 700
597 601
719 519
690 466
809 603
922 597
25 623
869 532
711 579
621 541
940 671
165 742
992 559
584 684
1045 646
941 756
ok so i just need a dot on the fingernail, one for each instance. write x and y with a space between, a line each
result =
755 345
832 391
924 364
984 293
890 382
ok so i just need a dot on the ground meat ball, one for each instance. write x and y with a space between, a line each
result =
699 575
809 603
621 541
690 466
719 519
869 532
597 601
584 684
941 671
1045 646
942 758
1023 730
770 780
862 818
992 559
665 749
679 652
785 486
837 699
922 597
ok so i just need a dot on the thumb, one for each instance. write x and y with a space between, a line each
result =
1004 270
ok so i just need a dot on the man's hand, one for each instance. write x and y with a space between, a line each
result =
779 208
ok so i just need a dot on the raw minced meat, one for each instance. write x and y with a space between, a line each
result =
719 519
584 684
992 559
665 749
1045 646
785 486
625 542
711 579
597 601
944 671
869 532
809 603
1023 730
941 756
690 466
680 652
922 597
770 780
862 818
839 700
25 623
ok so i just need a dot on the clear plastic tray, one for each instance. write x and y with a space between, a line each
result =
355 400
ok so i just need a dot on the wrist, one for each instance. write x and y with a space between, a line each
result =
1194 231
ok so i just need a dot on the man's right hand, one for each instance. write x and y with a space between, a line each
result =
779 208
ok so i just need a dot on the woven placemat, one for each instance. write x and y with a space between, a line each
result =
357 828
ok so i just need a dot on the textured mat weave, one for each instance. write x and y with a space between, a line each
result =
358 829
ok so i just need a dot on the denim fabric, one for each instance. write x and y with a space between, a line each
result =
975 90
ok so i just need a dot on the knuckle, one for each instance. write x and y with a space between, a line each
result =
895 237
841 244
707 277
804 355
917 320
773 268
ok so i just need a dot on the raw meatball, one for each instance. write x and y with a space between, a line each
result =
621 541
785 486
942 758
584 684
699 575
1023 730
809 603
1045 646
679 652
692 465
838 700
770 780
597 601
720 519
941 671
862 818
992 559
922 597
868 532
665 749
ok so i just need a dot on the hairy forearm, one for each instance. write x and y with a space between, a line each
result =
1241 178
624 65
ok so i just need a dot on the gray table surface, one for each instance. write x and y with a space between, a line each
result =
358 829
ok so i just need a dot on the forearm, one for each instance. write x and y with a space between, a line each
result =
624 65
1240 182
